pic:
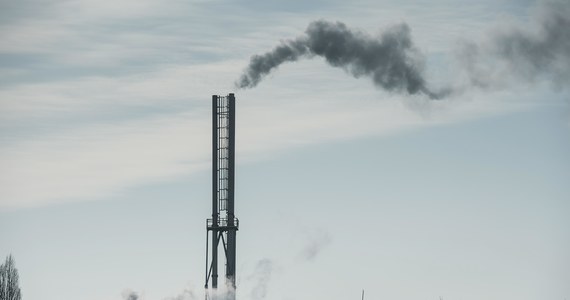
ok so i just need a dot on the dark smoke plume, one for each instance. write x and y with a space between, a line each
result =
391 59
539 49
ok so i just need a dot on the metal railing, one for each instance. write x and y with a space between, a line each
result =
223 223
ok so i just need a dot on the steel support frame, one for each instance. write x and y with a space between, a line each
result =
223 223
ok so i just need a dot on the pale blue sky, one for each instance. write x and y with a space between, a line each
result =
104 152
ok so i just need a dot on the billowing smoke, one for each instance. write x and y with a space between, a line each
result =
538 49
390 60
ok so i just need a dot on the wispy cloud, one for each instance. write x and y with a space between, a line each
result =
99 160
170 86
100 97
96 159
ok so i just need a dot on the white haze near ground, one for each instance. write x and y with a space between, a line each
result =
255 285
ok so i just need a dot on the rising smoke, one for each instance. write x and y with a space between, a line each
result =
261 276
538 49
187 294
391 59
130 295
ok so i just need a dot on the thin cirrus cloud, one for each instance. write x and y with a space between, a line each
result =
99 160
95 161
69 131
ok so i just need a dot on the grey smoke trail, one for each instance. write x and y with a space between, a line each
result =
317 241
187 294
261 275
538 49
390 60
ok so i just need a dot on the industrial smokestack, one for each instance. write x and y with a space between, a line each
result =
390 60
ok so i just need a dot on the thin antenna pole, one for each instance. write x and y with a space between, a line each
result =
362 294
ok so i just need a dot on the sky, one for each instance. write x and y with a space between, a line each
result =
341 184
